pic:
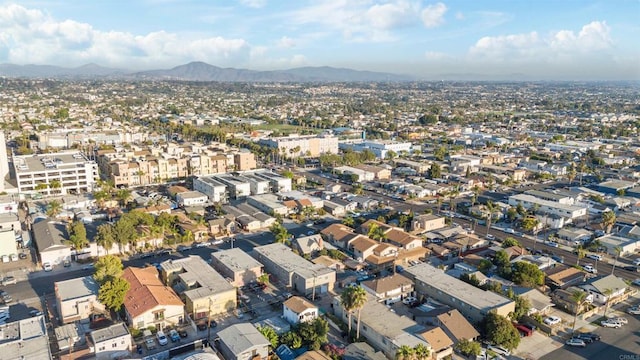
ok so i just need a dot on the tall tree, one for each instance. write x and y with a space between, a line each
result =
607 292
78 235
404 352
112 293
491 209
499 331
359 296
54 207
608 220
581 253
123 196
104 237
107 268
577 296
618 251
421 352
270 334
376 233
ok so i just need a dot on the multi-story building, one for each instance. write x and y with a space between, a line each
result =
244 160
295 271
215 190
306 145
238 188
547 206
204 291
278 183
379 147
236 266
111 342
472 302
55 174
77 299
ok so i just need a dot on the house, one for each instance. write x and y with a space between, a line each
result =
577 236
111 342
243 342
383 329
627 245
362 247
293 270
472 302
148 302
539 302
308 244
563 276
236 266
191 198
338 234
205 291
402 239
427 222
563 298
334 208
456 326
605 289
441 344
77 299
50 238
389 289
362 351
297 309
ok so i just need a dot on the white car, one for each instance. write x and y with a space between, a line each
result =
499 350
621 320
595 257
162 338
490 237
634 310
552 320
636 262
47 266
610 324
590 269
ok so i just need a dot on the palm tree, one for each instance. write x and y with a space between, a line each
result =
104 237
608 220
404 352
421 352
491 208
54 207
123 196
617 250
55 184
580 252
347 303
578 296
376 233
607 292
359 300
348 221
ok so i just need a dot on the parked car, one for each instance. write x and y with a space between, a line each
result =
552 320
35 312
47 266
213 324
183 333
632 268
409 300
595 257
552 244
490 237
576 342
162 338
524 330
558 259
634 310
636 282
621 320
150 343
202 325
610 324
593 336
636 262
499 350
174 336
9 280
66 263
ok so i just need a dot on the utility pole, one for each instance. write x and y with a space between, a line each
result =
209 323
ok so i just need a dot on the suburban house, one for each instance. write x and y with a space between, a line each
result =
339 235
472 302
50 237
297 309
204 291
562 276
243 342
601 286
77 299
456 326
383 329
540 303
427 222
389 289
563 298
111 342
441 344
149 302
293 270
236 266
308 244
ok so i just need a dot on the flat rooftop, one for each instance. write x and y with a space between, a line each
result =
282 255
25 339
76 288
456 288
194 270
112 332
235 259
48 162
547 203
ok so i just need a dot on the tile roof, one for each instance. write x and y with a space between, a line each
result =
298 304
437 338
146 291
457 325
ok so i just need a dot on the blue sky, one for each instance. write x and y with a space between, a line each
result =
543 39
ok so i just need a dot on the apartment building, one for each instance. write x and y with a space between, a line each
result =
307 145
244 160
295 271
547 206
472 302
111 342
55 174
236 266
379 147
77 299
215 190
203 289
278 183
237 187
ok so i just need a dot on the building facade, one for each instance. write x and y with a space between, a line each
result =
55 174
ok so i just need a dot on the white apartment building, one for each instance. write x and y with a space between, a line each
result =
379 147
547 206
278 183
214 189
58 173
111 342
307 145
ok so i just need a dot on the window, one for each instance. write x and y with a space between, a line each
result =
114 345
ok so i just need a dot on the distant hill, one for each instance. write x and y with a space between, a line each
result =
200 71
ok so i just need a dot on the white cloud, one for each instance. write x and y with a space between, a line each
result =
459 16
433 15
31 36
286 42
256 4
558 46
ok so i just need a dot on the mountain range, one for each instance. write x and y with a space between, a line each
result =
200 71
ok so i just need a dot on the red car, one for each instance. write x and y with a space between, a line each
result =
524 330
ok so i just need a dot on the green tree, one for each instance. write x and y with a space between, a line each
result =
291 339
469 347
435 172
123 196
353 298
529 223
314 333
78 235
54 207
581 253
280 232
512 214
107 268
501 261
104 237
348 221
376 232
491 209
608 220
404 352
271 335
421 352
484 266
509 242
124 231
527 274
112 293
578 297
499 331
523 305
